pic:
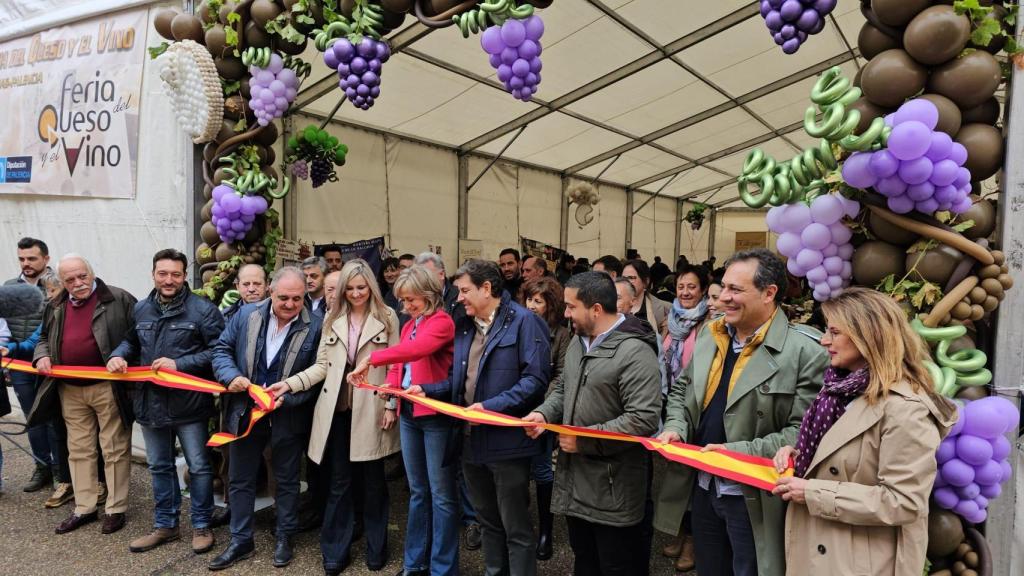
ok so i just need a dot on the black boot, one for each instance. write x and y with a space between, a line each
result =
546 521
41 478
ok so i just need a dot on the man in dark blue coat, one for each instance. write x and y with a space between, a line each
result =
265 343
502 363
174 330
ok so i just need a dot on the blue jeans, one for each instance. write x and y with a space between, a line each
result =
468 513
432 533
166 490
723 540
41 437
540 466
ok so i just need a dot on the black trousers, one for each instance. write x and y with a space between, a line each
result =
371 489
602 550
246 457
336 531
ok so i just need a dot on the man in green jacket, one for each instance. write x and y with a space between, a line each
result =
751 378
610 382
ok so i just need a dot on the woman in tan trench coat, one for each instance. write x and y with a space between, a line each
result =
353 428
865 454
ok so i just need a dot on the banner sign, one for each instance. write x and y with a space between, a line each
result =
71 108
540 250
371 250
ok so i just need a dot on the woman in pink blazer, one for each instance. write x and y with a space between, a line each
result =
423 355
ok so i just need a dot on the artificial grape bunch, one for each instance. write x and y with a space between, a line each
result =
233 213
359 67
314 152
791 21
514 48
272 88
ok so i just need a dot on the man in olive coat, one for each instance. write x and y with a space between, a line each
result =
751 378
610 382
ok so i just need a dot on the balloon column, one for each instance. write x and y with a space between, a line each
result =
791 21
920 169
972 459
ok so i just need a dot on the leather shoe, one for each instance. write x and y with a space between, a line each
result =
234 553
413 573
283 552
113 522
74 522
335 571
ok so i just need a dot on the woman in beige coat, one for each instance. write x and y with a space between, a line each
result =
865 454
353 428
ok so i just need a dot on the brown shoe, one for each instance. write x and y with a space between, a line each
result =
113 522
101 493
74 522
155 538
202 540
685 563
63 494
673 549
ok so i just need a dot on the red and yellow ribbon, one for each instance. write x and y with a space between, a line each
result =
743 468
166 378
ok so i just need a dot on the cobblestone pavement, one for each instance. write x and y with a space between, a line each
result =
29 547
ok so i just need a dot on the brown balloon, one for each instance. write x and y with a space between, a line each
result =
985 113
969 80
892 77
216 41
936 35
898 12
400 6
984 146
949 113
935 265
868 112
162 22
945 532
871 41
972 393
874 260
890 233
983 213
187 27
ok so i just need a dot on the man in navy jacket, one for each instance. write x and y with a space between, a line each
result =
502 363
265 343
174 330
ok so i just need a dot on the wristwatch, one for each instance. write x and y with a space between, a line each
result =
391 404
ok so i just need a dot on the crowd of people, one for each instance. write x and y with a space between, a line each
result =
695 355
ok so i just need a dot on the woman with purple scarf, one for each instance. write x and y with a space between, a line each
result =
865 456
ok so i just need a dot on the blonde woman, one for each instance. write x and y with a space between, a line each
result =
424 356
353 428
865 453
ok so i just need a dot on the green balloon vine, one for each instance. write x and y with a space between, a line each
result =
803 177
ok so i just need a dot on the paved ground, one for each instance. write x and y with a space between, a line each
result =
29 547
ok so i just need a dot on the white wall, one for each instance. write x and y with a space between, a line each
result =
729 223
118 236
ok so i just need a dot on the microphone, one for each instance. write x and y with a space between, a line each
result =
19 300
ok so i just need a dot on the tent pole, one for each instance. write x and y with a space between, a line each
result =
495 159
333 110
463 200
679 230
712 229
629 219
563 232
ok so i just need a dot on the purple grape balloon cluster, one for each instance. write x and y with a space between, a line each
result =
972 459
359 68
271 90
233 213
816 242
920 169
514 49
791 21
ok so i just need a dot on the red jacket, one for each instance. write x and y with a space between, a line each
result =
429 355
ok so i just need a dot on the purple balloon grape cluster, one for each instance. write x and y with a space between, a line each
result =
791 21
514 49
972 459
816 242
920 169
271 90
233 214
359 68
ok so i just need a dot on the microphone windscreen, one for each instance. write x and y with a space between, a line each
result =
19 300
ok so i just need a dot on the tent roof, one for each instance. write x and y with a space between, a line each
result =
653 95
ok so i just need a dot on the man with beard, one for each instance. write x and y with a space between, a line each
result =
509 262
174 330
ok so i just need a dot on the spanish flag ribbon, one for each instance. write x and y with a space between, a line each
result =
753 471
166 378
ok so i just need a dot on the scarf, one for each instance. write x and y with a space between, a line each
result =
680 322
840 388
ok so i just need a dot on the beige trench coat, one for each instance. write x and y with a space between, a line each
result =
369 442
867 498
